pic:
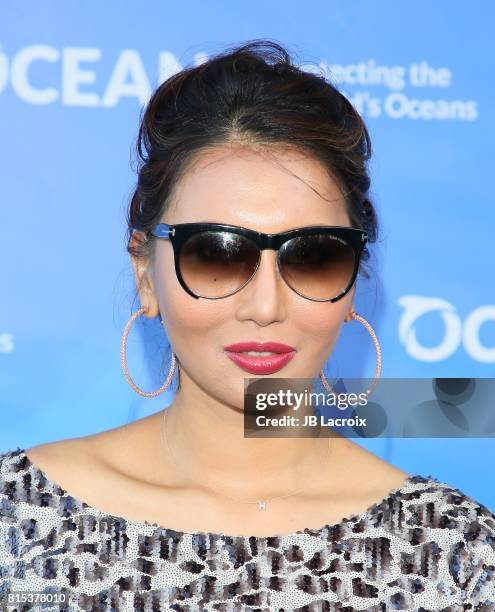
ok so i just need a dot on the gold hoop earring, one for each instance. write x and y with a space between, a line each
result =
353 315
123 347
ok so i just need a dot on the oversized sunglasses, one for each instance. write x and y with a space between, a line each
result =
214 260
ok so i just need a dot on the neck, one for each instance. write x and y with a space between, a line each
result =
207 443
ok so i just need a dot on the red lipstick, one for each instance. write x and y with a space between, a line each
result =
260 364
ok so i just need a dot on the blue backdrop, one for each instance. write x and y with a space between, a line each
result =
73 79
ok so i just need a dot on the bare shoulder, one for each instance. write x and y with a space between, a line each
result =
68 463
365 474
62 454
72 462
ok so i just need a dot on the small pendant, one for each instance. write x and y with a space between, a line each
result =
261 504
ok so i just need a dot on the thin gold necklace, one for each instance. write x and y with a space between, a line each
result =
261 503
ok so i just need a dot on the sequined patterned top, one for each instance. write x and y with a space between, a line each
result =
426 546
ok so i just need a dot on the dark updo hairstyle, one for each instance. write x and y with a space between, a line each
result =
250 94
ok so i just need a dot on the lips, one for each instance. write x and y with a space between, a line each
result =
273 347
260 364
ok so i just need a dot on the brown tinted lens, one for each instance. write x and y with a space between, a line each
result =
318 266
216 264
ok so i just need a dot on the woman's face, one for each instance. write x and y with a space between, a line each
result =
239 186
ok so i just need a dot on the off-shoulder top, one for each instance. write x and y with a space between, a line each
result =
425 546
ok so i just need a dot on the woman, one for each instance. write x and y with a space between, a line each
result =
180 511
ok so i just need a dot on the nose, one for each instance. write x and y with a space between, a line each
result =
261 300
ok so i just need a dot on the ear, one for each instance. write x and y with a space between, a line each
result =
143 278
351 295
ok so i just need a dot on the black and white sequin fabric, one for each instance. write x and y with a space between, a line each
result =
426 546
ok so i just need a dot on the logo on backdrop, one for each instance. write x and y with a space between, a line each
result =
42 74
455 330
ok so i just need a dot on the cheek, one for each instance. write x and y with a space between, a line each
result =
190 323
319 325
181 313
198 316
319 318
